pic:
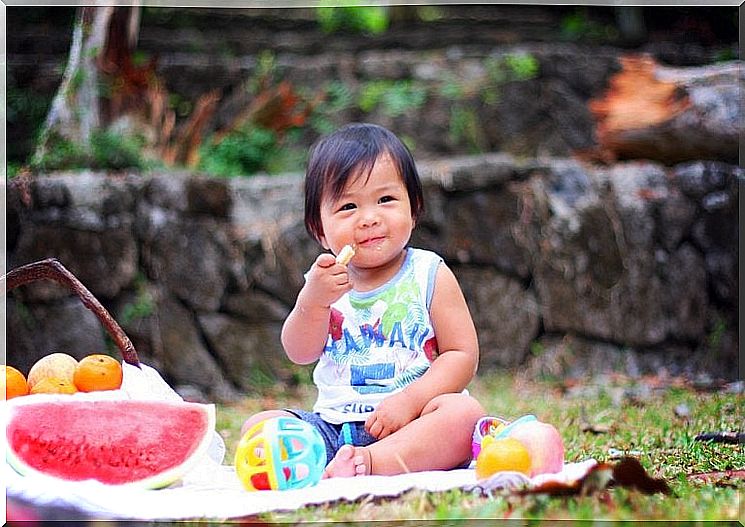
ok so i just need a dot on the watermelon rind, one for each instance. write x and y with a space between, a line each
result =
161 479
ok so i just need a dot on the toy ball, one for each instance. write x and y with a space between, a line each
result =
280 453
497 428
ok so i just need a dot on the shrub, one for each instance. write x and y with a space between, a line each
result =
394 98
244 151
355 19
107 151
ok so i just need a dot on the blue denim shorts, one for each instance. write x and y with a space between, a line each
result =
335 435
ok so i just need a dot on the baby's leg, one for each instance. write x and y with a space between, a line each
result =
440 439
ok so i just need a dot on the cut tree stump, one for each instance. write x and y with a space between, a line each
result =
671 115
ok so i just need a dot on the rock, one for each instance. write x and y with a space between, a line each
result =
183 354
208 196
104 261
686 300
716 230
280 260
85 221
167 193
505 314
460 174
597 262
699 178
250 215
474 227
191 256
573 357
256 306
250 354
676 216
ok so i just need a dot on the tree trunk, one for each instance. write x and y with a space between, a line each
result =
134 101
670 114
100 35
74 110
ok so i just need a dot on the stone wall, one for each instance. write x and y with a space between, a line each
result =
568 269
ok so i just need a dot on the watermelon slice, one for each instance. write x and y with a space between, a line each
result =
137 443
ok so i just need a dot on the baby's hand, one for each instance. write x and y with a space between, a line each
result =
327 281
392 414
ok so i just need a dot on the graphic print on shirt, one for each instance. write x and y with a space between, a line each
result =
365 375
394 329
378 342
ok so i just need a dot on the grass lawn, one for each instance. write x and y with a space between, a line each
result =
653 419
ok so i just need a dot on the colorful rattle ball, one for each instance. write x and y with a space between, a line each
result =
497 428
280 453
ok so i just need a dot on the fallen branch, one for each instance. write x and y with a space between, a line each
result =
669 114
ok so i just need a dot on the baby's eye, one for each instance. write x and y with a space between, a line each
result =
347 206
386 199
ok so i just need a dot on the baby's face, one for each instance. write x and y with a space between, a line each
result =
372 214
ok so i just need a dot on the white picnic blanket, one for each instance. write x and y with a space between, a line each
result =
213 491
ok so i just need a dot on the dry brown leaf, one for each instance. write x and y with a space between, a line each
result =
630 473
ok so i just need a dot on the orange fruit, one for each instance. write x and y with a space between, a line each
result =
55 365
53 385
14 383
502 454
98 372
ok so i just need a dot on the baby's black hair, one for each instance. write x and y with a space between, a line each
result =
350 151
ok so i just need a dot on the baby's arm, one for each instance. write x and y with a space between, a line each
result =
305 330
450 372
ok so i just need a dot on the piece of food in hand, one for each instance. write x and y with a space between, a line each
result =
345 255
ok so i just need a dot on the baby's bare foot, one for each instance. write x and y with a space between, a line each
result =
349 461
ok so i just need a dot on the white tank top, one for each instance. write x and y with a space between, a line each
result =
379 341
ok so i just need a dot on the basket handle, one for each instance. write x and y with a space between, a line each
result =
52 269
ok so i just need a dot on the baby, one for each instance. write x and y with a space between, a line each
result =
390 330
